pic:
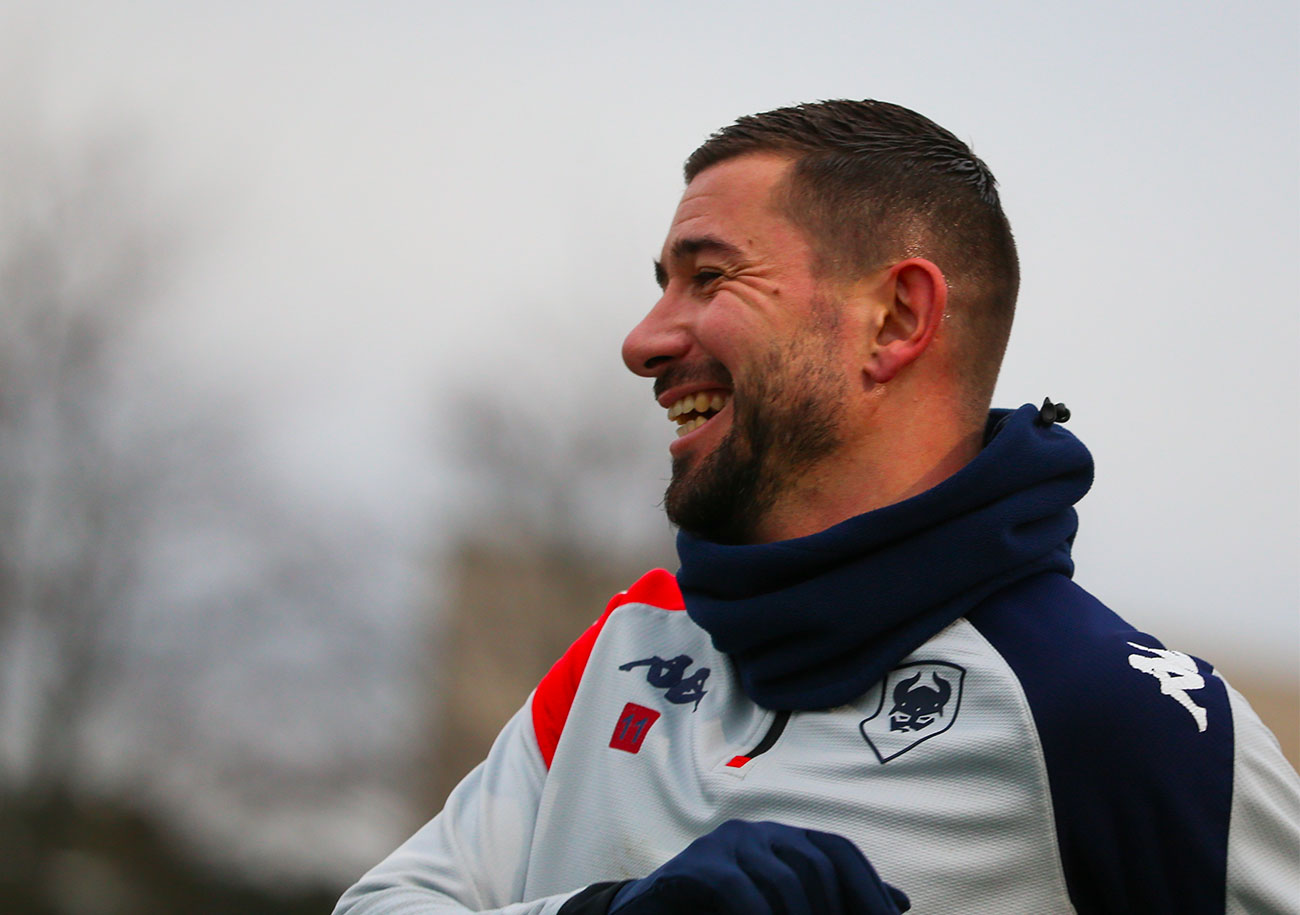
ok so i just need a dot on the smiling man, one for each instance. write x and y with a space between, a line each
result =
872 684
796 333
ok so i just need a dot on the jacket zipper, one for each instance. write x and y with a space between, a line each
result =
769 740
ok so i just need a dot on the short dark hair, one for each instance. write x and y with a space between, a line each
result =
874 183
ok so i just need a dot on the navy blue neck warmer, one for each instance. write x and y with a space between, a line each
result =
814 622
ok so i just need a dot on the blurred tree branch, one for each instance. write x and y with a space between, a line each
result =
80 261
181 630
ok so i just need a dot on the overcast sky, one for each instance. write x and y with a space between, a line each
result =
401 200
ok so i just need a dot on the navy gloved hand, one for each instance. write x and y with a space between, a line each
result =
745 868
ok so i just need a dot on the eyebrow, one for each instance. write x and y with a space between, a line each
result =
690 245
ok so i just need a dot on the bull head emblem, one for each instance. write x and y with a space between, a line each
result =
917 706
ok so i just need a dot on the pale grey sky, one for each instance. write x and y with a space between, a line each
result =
419 198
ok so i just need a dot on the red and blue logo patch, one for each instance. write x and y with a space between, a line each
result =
632 727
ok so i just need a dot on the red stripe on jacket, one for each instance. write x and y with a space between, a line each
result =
554 696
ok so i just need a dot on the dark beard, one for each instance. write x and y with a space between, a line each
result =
775 435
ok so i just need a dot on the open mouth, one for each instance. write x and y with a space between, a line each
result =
694 410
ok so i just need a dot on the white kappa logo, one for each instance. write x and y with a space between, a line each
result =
1177 674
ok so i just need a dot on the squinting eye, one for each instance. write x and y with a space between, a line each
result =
705 277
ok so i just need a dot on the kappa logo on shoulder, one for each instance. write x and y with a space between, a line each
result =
670 676
1177 673
923 698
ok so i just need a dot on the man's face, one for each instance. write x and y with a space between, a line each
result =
747 353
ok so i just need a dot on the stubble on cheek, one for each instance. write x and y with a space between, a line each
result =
783 421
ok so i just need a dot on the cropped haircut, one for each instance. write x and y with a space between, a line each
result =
874 183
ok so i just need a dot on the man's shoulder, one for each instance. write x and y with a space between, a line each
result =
554 695
1081 664
1138 744
656 588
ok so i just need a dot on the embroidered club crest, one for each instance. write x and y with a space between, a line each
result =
917 701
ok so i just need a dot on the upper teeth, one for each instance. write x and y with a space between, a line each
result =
702 402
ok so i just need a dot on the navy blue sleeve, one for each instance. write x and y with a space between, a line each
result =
1138 745
594 900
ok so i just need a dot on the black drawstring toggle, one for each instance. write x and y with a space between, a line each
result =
1050 412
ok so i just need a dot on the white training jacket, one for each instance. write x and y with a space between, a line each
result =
1038 756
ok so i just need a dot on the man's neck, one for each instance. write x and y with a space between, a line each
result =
904 461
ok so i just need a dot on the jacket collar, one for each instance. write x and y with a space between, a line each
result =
814 622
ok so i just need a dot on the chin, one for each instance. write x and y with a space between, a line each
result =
716 496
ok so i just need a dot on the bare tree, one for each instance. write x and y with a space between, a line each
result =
178 629
78 261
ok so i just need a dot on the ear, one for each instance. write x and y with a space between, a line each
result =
916 294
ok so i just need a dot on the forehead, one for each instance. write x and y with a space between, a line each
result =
733 200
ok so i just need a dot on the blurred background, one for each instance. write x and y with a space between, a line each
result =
316 448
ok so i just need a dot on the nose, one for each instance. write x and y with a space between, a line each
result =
660 338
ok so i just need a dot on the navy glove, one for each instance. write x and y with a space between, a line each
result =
745 868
